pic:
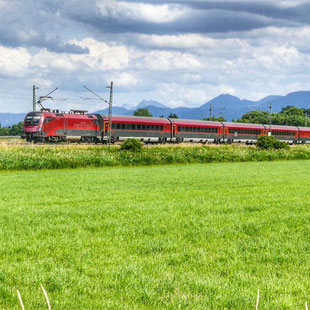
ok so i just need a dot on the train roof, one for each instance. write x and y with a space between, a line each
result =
140 119
189 122
304 128
244 125
281 127
65 114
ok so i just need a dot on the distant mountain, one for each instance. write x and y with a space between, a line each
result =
116 111
226 105
300 99
148 103
267 100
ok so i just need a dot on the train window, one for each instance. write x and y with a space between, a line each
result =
283 133
197 129
123 126
244 131
47 120
139 127
143 127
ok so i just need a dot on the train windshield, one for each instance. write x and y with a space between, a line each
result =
33 120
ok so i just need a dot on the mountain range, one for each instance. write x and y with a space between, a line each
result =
226 105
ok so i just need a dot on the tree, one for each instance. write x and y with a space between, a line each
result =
142 112
15 130
287 108
172 115
255 117
215 119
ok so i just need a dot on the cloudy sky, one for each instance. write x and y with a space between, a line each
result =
181 53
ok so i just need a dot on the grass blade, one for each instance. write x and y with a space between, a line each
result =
46 297
20 300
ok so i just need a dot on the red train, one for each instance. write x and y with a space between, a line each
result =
93 128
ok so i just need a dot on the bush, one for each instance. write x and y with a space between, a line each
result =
132 145
270 143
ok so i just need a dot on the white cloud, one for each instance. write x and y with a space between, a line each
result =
49 61
14 62
101 55
168 60
185 41
140 11
123 79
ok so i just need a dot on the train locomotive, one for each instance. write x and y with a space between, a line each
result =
80 126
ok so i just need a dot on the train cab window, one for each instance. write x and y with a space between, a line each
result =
32 120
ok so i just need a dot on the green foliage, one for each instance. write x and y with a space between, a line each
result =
172 115
270 143
166 237
289 116
255 117
15 130
132 145
142 112
215 119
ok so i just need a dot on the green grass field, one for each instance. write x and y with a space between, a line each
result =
165 237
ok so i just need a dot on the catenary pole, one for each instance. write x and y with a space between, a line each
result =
270 112
34 98
110 112
110 102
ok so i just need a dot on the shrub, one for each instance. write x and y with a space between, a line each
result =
132 145
270 143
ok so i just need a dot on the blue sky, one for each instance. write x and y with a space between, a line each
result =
181 53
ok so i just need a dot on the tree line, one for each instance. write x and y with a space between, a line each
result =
14 130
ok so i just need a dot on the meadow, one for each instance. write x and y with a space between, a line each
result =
162 237
35 157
